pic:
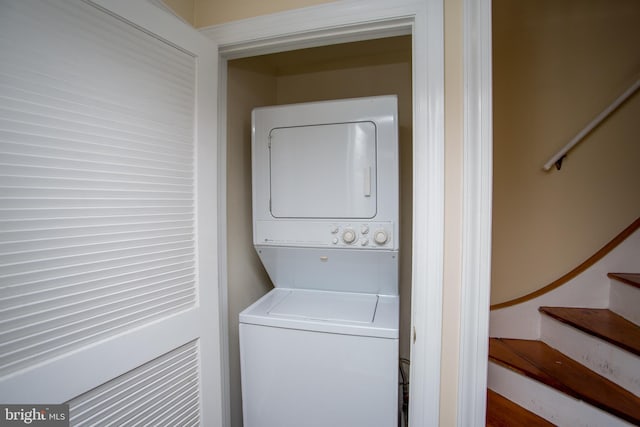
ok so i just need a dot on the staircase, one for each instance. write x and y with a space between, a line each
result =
578 365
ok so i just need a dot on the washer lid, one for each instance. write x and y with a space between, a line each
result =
327 306
368 315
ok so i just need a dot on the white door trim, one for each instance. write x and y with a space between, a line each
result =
476 222
352 20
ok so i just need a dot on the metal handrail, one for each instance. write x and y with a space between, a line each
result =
560 155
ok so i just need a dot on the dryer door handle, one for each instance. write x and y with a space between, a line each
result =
367 181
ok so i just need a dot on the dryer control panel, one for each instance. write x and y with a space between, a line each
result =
363 234
339 234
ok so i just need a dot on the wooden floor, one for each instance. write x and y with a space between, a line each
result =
538 361
602 323
502 412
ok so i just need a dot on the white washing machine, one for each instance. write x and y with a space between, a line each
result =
321 349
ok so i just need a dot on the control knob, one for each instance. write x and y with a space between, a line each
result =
349 236
380 237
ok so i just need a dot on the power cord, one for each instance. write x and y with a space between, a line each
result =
404 415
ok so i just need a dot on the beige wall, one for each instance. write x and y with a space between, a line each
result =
250 84
556 66
452 272
210 12
184 9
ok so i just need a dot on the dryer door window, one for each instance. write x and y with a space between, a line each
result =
323 171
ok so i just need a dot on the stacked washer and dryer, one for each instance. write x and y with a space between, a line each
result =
321 349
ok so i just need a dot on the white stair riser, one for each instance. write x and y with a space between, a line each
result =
547 402
605 359
625 300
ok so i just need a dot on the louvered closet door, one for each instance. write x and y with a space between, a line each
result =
108 246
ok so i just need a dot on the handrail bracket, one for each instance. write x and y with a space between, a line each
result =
558 163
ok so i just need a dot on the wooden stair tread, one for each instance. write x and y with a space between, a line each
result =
632 279
501 412
537 360
602 323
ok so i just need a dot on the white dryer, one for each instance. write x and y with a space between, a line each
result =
321 349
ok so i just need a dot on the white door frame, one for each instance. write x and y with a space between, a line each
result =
477 214
353 20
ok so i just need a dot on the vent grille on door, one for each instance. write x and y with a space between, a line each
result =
97 214
161 392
